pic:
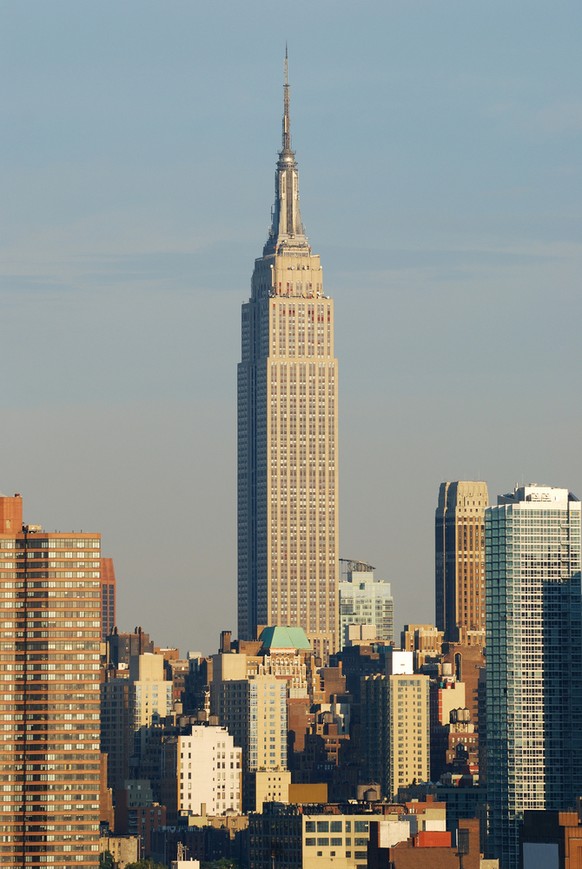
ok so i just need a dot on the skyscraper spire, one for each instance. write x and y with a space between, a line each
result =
286 226
286 116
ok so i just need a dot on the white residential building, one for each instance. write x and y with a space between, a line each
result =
209 771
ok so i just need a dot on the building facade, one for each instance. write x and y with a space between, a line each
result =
253 708
122 647
135 700
534 660
209 771
288 432
311 836
364 600
116 729
50 631
255 712
150 697
395 730
108 592
460 561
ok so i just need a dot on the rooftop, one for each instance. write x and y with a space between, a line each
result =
279 637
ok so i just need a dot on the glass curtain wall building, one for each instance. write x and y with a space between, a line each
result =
534 660
365 600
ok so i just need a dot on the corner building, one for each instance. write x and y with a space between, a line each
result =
50 630
288 432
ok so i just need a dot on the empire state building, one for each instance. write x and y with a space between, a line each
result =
288 431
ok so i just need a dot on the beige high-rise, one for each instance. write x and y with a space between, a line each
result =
395 729
288 432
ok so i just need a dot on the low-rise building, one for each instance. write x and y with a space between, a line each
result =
552 840
123 849
312 836
437 849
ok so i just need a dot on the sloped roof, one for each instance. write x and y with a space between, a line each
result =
279 637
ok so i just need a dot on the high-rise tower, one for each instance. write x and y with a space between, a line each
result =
460 561
534 660
287 431
50 632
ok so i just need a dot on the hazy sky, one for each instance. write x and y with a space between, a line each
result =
439 147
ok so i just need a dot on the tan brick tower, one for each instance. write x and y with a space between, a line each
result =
287 431
460 561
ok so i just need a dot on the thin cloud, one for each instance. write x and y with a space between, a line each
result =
562 117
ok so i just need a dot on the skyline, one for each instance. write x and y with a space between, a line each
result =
440 173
